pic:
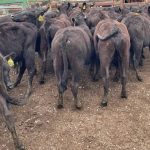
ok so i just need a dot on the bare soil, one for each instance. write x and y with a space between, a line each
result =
122 125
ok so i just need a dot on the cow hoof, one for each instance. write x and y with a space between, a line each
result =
41 82
60 106
20 147
115 79
103 103
78 106
124 96
140 79
11 86
95 79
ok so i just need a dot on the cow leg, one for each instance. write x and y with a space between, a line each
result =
43 55
31 73
74 89
105 77
20 75
136 59
124 65
142 57
58 68
96 66
117 75
10 123
106 53
43 68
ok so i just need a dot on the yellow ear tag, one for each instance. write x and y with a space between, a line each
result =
41 18
10 62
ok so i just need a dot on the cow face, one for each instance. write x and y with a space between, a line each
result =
30 15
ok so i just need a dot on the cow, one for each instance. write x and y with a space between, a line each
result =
139 29
47 33
66 53
20 39
112 40
32 16
4 100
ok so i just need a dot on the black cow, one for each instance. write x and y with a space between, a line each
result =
20 39
47 33
139 29
71 47
4 111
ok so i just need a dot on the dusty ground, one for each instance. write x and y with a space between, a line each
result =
123 125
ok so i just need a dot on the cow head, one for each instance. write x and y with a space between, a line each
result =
79 19
65 7
5 69
29 15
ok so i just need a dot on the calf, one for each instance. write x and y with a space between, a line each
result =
47 33
71 47
20 39
139 29
112 38
4 111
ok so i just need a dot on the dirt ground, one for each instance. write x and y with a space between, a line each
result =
123 125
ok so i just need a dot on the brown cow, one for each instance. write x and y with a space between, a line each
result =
112 38
71 47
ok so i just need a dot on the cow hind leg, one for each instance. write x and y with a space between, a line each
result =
20 75
124 65
10 124
105 77
136 59
31 73
76 67
30 65
106 54
43 68
58 68
74 89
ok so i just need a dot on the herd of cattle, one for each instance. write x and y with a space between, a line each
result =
95 37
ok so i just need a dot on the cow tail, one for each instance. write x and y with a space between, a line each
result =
114 31
65 60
